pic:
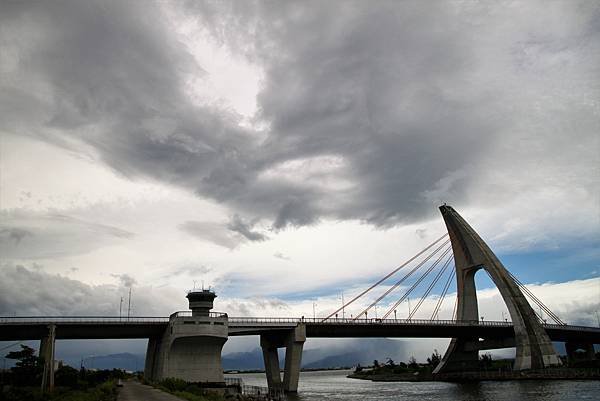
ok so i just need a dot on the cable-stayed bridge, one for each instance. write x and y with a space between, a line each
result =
188 344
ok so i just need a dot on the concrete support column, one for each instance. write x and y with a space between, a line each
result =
151 357
293 341
461 355
47 353
271 358
293 358
588 355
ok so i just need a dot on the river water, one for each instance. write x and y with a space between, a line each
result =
334 385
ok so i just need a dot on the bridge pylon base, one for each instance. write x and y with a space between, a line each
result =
293 341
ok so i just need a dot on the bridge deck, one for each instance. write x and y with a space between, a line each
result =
101 327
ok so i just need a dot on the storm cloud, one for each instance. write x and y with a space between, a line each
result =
37 293
35 235
369 113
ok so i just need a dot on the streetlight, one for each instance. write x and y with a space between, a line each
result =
314 311
408 301
343 306
395 317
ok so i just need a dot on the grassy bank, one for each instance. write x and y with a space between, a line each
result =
106 391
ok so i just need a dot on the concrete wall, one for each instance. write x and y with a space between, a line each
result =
189 349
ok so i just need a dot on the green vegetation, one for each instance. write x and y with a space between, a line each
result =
187 391
414 371
23 381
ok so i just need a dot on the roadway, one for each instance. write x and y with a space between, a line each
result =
33 328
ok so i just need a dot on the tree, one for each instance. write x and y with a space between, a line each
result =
435 359
485 360
376 363
66 376
390 362
28 368
412 362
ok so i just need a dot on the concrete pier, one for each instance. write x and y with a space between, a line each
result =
293 341
578 351
47 345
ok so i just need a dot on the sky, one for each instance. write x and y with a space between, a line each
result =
286 153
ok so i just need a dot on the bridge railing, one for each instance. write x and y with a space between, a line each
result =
347 321
350 321
83 319
259 321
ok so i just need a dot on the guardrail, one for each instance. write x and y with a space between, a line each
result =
83 319
257 392
265 321
345 321
374 321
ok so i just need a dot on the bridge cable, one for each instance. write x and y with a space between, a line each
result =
455 309
387 276
438 306
533 298
406 276
416 283
537 301
431 285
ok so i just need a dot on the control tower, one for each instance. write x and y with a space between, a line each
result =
201 301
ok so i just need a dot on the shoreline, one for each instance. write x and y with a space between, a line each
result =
562 374
239 372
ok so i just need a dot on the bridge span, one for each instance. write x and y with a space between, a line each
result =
110 327
274 332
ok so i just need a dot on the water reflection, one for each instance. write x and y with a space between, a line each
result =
334 385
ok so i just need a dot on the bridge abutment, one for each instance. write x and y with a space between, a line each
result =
293 341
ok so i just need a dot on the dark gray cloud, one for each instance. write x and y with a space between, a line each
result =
213 232
25 292
229 235
375 113
34 235
238 225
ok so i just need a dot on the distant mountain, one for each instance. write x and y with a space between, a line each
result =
362 351
124 360
252 360
335 361
348 353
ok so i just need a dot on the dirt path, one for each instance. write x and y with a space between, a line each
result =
135 391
